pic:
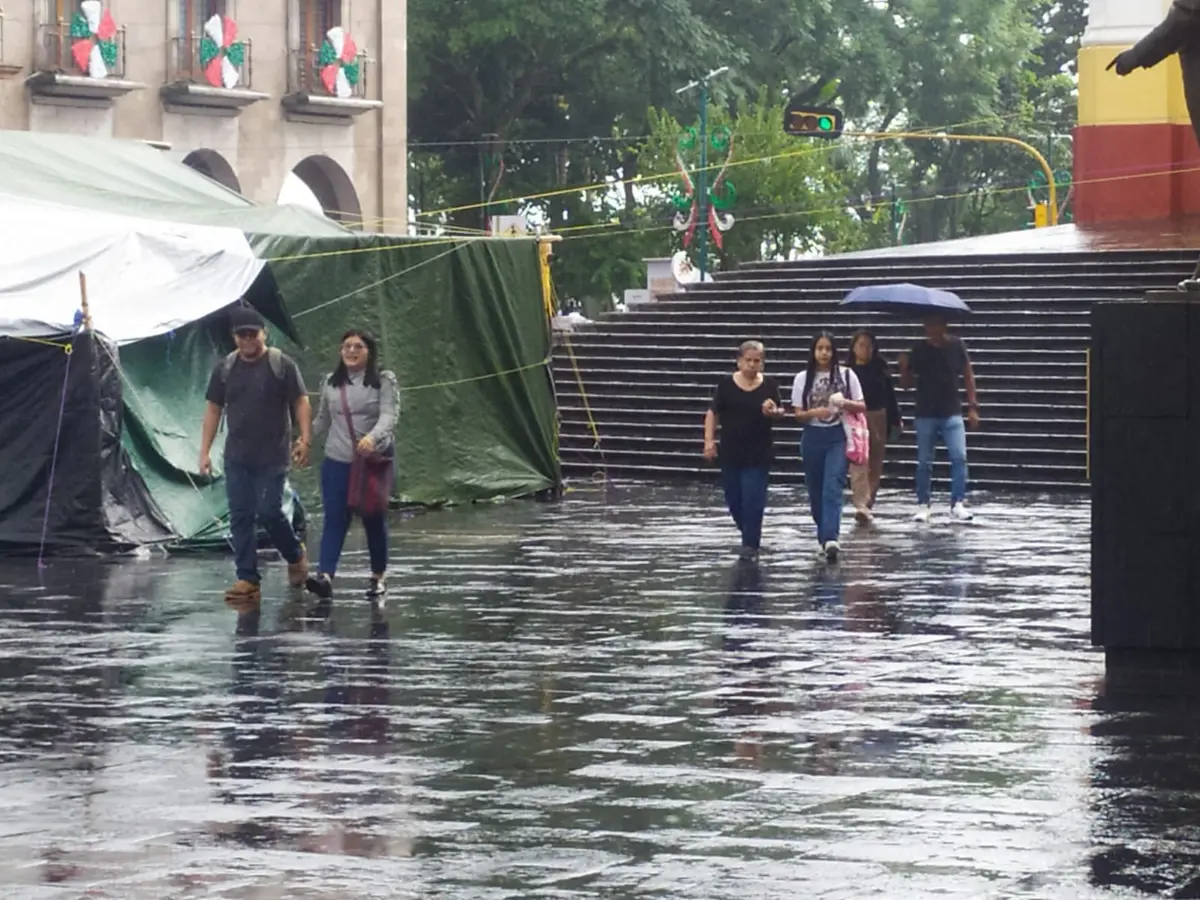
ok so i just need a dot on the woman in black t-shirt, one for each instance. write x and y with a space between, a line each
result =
746 405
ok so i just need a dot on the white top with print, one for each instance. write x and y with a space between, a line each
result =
823 388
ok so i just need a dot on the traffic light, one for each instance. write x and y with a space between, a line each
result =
810 120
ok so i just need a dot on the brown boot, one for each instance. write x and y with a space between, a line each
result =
298 571
244 595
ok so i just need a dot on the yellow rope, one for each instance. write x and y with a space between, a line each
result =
514 371
587 406
66 348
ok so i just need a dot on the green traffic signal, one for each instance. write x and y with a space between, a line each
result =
803 119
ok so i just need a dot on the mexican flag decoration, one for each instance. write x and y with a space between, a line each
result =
221 53
94 39
338 63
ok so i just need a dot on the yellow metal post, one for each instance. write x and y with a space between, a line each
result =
545 250
976 138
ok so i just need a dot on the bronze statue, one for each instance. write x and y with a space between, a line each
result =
1178 33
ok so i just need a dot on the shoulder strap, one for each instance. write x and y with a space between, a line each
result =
346 413
275 361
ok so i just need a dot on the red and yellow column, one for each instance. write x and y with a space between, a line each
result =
1135 154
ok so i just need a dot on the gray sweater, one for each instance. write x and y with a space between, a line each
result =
374 412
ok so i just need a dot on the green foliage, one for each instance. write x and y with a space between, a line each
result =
575 92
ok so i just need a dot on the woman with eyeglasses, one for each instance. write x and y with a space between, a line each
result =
357 415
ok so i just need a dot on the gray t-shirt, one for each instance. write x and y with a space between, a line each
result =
258 410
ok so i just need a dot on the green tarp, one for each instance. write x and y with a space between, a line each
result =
462 324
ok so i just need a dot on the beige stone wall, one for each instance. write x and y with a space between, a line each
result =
260 144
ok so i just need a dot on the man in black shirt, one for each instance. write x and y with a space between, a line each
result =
261 393
934 368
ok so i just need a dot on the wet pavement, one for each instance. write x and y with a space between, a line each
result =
594 699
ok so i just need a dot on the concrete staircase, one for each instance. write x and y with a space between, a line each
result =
648 373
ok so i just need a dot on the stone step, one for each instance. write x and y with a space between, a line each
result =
991 435
589 346
786 365
574 416
787 470
984 448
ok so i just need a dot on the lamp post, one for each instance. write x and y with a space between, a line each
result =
702 174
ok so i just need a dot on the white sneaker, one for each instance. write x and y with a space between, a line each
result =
821 552
960 513
832 549
923 514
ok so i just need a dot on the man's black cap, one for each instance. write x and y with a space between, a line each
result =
246 318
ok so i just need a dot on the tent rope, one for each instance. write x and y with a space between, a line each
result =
62 409
382 281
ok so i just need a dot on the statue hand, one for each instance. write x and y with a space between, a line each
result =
1123 62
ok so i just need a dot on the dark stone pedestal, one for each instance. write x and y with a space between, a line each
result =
1144 401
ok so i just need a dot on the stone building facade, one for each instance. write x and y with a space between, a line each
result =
250 92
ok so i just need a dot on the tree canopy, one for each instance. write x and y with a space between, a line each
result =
515 100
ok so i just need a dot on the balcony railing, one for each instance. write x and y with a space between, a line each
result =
55 52
186 64
306 76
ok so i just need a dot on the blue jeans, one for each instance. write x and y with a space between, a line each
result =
335 487
746 496
823 452
255 495
953 433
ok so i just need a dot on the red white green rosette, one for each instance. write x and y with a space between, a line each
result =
221 53
338 63
94 39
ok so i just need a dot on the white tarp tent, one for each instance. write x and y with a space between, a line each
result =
145 277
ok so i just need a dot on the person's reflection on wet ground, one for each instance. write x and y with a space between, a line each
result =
254 738
748 668
280 715
1145 779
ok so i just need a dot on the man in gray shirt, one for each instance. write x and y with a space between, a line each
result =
261 393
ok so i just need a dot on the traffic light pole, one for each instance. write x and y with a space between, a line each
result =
977 138
702 174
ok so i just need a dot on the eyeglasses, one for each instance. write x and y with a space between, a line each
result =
353 347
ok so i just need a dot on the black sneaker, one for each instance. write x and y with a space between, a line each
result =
376 588
319 585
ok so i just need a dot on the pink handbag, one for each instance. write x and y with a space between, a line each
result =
858 438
